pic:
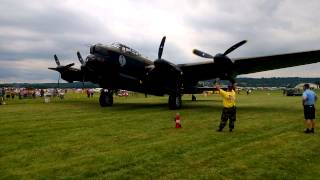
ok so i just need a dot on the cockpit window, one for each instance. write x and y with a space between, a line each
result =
125 49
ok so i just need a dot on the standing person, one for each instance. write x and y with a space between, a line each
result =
88 93
12 93
309 98
229 107
91 93
41 93
1 96
3 93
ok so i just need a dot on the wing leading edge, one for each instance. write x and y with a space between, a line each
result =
209 70
265 63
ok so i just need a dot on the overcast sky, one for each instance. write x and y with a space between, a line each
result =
32 31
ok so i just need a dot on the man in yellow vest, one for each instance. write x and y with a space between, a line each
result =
229 107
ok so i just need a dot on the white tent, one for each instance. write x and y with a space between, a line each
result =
312 86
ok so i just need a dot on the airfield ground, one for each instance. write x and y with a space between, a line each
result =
136 138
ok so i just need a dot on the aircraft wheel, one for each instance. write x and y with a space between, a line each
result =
194 98
106 99
175 102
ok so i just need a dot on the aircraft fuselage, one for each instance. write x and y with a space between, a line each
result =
116 68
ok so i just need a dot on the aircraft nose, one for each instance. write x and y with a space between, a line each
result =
93 62
99 49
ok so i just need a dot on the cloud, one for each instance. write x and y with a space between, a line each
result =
270 26
35 70
32 31
36 30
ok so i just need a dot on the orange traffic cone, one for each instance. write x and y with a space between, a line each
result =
178 121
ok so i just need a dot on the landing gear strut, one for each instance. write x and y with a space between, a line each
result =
106 98
175 101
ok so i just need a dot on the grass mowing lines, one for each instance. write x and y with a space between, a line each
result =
136 138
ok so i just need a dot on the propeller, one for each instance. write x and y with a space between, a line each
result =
163 63
161 47
206 55
222 60
60 68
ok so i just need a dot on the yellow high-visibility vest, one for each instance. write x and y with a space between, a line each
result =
229 98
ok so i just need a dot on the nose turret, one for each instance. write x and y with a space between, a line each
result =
99 49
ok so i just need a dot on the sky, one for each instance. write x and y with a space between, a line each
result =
32 31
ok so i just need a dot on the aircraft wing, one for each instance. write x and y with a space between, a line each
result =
265 63
209 70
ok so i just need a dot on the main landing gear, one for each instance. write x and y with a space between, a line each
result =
175 101
193 98
106 98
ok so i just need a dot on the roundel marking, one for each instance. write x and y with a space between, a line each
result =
122 60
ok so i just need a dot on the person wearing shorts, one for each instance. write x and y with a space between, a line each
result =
309 98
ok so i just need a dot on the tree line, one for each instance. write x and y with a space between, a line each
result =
243 82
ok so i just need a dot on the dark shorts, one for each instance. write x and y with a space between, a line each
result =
309 112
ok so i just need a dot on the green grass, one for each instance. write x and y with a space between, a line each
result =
75 138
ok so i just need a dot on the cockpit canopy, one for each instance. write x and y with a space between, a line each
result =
103 49
125 48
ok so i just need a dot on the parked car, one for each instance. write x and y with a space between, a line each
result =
293 92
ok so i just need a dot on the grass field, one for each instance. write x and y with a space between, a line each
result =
75 138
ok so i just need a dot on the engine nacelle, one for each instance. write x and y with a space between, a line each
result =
164 77
71 75
164 65
222 60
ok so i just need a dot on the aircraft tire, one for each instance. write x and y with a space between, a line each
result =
105 99
193 98
175 102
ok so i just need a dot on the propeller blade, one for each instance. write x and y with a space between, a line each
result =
80 58
232 48
68 66
57 60
61 68
202 54
161 47
55 69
